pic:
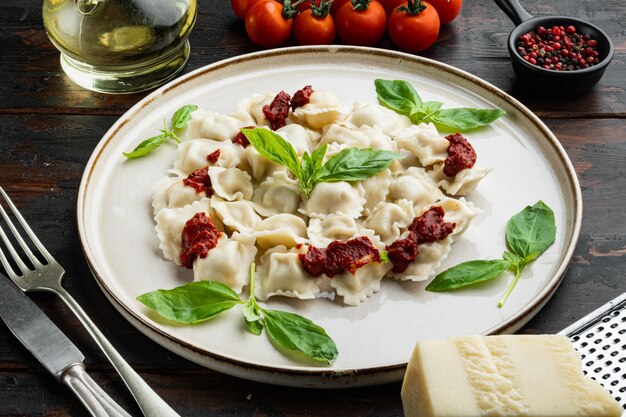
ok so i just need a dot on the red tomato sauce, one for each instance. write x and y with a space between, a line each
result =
200 180
427 228
461 155
199 236
339 257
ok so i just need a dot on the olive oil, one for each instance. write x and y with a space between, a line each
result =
120 45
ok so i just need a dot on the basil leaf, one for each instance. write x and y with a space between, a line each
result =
274 148
354 164
397 95
147 146
252 318
311 164
516 261
465 118
299 334
255 327
307 167
183 116
191 303
308 174
530 232
419 114
468 273
317 157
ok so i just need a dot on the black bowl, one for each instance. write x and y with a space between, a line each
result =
551 81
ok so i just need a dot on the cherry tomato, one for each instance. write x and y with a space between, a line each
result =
336 5
309 29
390 5
414 32
241 7
266 25
361 27
448 10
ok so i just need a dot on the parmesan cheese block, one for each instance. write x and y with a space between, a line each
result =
502 376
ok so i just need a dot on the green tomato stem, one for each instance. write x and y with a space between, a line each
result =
322 10
413 7
512 285
360 4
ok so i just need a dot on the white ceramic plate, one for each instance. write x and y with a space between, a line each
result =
375 339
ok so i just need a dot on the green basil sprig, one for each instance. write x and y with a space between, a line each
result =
401 97
199 301
528 234
180 119
350 164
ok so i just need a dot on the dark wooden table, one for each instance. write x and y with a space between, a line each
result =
49 127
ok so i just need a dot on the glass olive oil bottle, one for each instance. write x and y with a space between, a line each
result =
120 46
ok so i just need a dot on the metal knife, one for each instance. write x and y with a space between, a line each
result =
53 349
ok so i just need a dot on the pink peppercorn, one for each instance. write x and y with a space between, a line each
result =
558 48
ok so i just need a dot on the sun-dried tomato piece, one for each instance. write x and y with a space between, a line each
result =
339 257
429 227
213 156
313 260
241 139
461 155
301 97
278 110
402 252
199 236
200 180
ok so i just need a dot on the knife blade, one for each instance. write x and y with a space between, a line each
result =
53 349
35 330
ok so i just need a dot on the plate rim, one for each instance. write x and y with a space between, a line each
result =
510 325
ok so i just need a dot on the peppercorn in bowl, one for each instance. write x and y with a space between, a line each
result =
559 55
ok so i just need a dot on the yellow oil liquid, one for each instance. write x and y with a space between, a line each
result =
120 39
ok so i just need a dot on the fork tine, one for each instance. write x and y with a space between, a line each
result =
20 264
19 238
27 229
7 267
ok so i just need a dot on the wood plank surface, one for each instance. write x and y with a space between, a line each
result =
49 127
475 42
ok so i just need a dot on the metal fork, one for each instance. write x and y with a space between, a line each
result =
47 277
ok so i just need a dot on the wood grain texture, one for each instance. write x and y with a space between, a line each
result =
475 42
49 128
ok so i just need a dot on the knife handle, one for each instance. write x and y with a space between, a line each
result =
149 401
97 402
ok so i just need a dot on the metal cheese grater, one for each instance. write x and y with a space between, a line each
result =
600 338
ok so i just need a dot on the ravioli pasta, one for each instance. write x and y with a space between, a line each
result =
265 218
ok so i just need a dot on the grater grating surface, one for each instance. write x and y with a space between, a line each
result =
600 338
